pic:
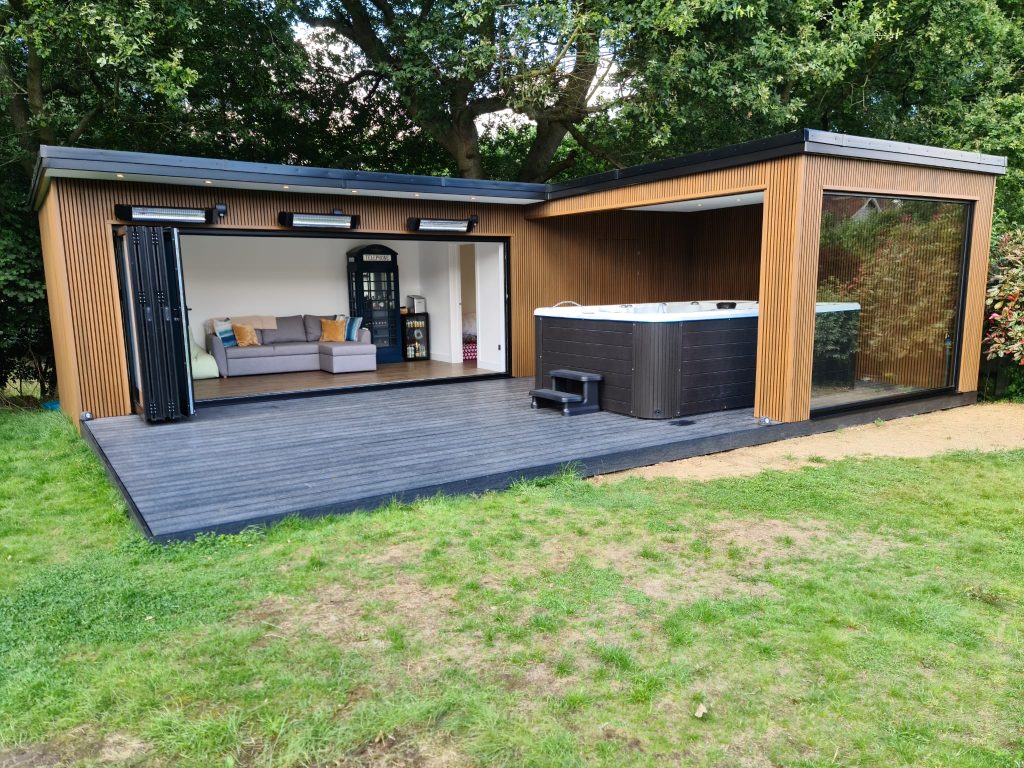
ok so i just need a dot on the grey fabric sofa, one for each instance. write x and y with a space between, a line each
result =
294 346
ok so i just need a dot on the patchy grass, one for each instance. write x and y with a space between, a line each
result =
853 613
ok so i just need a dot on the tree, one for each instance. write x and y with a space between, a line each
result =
450 64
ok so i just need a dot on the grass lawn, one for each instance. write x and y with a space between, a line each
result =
856 613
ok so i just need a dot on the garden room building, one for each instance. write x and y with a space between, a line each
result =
854 269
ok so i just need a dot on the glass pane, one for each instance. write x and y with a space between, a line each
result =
889 278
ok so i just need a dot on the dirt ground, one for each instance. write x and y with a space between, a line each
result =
983 427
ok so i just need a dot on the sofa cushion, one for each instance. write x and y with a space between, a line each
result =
222 328
346 348
245 335
237 353
332 330
288 329
312 324
296 348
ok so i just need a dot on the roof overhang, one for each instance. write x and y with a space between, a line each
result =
108 165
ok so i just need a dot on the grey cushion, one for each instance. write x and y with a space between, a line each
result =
288 329
346 348
296 348
313 327
236 353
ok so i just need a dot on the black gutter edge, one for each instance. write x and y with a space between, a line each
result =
695 162
806 141
196 168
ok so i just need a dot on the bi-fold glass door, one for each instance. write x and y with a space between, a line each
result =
155 321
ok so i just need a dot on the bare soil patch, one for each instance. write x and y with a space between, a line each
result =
739 555
77 745
982 427
357 615
394 751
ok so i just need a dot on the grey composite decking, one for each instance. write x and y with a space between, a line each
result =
233 466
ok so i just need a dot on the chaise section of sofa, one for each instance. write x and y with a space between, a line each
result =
294 346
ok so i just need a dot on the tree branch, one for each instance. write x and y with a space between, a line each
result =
593 149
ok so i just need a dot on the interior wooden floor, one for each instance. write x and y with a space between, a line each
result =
311 381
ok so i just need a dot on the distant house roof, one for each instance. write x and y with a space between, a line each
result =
111 165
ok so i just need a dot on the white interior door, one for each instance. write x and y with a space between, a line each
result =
490 307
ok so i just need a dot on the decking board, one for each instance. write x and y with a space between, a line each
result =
236 465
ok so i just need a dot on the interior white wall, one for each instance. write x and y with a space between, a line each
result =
436 287
246 275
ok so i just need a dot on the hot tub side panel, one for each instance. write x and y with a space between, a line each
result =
718 366
658 358
604 347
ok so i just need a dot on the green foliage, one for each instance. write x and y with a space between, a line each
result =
1004 324
25 346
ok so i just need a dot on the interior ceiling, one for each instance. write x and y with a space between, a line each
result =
705 203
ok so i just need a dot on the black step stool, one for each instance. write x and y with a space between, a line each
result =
572 403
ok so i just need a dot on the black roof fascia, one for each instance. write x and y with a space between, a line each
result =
685 165
806 141
201 169
882 150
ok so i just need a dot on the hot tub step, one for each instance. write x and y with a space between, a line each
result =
555 396
565 373
572 403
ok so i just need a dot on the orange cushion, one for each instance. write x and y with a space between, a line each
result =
245 335
332 330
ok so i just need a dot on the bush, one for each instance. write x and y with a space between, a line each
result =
1004 324
26 348
1003 342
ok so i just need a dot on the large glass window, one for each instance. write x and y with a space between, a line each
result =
889 284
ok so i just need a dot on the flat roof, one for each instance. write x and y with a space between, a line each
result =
112 165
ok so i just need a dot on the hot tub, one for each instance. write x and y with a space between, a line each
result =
659 360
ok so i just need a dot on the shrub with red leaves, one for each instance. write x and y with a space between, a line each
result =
1004 324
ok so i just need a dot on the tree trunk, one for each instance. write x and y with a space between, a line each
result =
536 166
462 140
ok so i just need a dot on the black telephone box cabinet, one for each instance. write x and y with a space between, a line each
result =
373 295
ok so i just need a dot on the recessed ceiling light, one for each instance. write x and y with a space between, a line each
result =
284 186
207 181
355 191
416 194
120 175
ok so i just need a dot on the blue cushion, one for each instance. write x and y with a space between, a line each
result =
227 336
352 328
